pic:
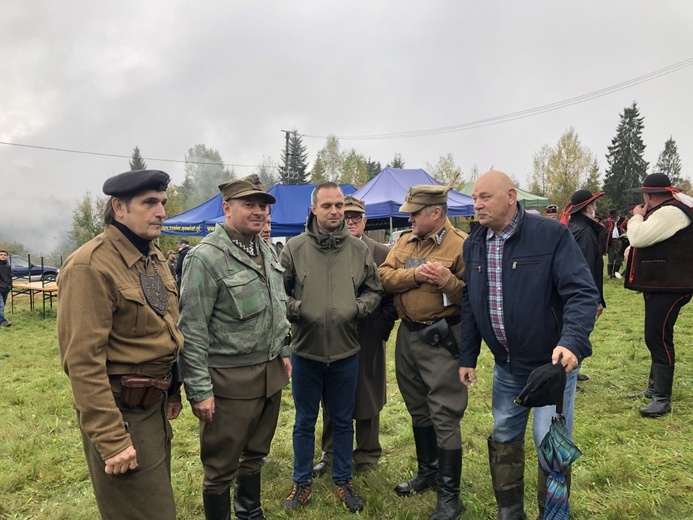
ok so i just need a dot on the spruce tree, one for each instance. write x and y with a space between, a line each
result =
669 162
137 163
294 171
627 168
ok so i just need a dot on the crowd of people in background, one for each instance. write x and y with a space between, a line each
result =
236 317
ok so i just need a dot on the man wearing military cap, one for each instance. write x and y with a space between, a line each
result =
235 362
119 340
374 330
424 270
183 248
659 266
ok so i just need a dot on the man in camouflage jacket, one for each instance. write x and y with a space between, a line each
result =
233 317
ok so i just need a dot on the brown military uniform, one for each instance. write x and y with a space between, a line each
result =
106 328
427 376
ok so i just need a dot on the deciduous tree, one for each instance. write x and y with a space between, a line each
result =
204 171
445 171
87 220
329 162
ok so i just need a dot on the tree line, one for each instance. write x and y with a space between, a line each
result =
557 172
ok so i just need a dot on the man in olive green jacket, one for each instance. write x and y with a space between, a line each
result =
233 317
331 281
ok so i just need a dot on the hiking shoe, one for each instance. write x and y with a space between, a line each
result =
299 496
348 495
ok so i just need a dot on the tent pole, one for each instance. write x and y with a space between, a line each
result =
390 227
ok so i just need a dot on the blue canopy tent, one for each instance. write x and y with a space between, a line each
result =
385 193
289 214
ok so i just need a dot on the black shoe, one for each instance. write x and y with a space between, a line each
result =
299 496
320 468
578 388
583 377
348 495
427 459
663 376
364 467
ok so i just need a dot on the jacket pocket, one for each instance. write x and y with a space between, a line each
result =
247 298
132 313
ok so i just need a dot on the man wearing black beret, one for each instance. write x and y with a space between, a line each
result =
119 340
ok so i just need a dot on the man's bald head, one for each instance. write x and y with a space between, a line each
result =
495 200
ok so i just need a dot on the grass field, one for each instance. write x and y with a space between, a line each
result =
631 468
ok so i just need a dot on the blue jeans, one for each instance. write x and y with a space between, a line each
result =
2 309
336 381
510 420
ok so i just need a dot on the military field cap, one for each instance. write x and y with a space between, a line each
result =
170 252
351 203
655 183
423 195
245 187
545 386
136 181
581 199
183 241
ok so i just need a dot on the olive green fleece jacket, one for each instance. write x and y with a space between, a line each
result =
331 281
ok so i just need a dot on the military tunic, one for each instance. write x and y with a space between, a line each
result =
106 328
427 376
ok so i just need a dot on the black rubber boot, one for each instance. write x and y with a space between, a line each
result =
246 502
648 392
449 506
507 462
427 460
663 376
217 505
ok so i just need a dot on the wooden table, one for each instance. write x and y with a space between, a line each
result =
48 291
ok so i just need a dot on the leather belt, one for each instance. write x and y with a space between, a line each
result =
413 326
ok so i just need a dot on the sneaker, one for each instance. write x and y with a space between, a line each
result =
299 496
348 495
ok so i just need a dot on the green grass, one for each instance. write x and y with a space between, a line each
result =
632 468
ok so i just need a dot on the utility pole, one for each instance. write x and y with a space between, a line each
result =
287 175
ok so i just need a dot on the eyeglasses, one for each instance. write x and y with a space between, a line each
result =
355 218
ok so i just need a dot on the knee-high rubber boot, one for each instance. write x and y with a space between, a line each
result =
217 505
449 506
427 460
246 502
507 462
663 376
648 392
541 488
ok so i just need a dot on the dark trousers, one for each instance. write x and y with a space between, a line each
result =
367 450
337 382
145 492
615 256
661 312
429 381
237 439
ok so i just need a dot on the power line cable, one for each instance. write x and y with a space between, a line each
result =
522 113
495 120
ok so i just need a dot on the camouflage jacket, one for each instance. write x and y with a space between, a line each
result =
231 314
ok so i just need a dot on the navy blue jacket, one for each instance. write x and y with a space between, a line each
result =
549 297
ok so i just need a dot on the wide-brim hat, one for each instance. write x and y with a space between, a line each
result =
582 199
545 386
654 183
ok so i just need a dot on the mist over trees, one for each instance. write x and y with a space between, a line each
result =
204 171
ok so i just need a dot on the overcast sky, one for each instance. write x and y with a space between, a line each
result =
167 74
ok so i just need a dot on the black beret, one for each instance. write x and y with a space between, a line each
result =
136 181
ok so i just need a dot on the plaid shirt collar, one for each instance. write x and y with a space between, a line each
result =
508 231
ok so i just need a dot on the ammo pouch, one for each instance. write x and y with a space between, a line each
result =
439 334
142 391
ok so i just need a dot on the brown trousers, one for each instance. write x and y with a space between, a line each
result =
367 450
146 492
